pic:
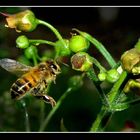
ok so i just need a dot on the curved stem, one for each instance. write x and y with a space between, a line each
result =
55 31
97 63
52 112
99 46
39 41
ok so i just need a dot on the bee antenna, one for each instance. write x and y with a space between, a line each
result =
64 64
59 61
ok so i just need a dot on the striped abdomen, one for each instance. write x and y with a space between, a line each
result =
23 85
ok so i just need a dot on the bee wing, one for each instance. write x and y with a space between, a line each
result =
14 66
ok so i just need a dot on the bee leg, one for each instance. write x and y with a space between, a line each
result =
47 99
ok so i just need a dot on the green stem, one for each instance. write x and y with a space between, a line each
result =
125 105
117 65
121 97
55 31
34 60
120 107
27 124
105 111
52 112
132 102
114 91
91 74
99 46
98 124
97 63
39 41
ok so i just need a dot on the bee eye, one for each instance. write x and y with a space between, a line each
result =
53 66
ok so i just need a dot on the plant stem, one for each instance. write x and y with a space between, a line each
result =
91 74
97 63
99 46
125 105
96 126
114 91
98 123
133 102
27 124
34 60
39 41
55 31
52 112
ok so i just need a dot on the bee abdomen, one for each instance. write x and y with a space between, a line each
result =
20 87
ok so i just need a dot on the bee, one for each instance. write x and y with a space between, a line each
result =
33 80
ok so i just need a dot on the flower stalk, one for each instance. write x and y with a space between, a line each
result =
54 30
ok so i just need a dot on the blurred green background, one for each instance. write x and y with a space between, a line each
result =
116 27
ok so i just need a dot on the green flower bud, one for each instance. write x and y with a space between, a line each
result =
75 82
78 43
132 86
30 52
112 75
22 42
81 61
102 76
22 21
131 61
62 50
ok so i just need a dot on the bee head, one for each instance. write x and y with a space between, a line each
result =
53 66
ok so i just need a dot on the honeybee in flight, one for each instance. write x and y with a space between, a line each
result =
32 79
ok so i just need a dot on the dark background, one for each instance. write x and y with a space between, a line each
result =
71 2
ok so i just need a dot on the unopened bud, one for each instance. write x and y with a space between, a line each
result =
131 60
78 43
62 50
112 75
22 21
102 76
22 42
